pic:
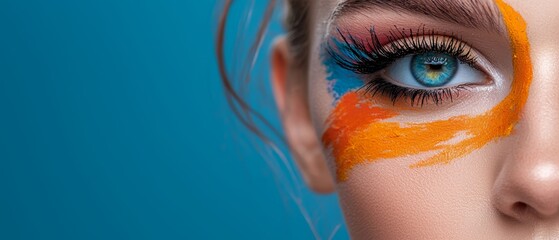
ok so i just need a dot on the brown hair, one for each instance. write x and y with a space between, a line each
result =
296 23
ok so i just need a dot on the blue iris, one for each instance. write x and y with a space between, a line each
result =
433 69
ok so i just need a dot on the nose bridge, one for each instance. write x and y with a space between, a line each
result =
541 113
540 119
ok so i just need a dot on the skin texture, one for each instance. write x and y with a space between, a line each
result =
505 187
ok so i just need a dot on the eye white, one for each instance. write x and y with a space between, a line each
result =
400 73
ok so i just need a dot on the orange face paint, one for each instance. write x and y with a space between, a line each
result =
359 132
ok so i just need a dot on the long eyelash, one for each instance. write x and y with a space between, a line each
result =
369 56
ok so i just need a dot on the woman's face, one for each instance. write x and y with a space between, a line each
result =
437 118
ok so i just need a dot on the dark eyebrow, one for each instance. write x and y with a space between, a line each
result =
480 14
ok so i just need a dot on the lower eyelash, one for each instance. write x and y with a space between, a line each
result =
417 97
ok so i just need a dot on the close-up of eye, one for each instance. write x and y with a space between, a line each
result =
422 69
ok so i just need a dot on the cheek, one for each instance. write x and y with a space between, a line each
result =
361 132
388 201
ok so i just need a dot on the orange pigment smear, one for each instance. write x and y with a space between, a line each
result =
359 133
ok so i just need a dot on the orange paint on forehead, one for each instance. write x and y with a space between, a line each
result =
359 132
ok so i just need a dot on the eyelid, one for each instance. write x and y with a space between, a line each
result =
434 41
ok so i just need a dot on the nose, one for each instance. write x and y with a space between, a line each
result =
527 184
528 189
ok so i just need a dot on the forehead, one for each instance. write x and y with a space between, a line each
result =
468 13
482 14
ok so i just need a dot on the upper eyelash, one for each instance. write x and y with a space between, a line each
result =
369 56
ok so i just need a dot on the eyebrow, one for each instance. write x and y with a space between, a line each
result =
479 14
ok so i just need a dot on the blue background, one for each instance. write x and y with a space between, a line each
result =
114 126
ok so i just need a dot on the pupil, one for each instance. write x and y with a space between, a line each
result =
435 67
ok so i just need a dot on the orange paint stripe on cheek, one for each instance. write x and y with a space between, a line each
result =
359 133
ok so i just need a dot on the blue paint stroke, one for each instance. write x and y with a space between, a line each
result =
340 80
